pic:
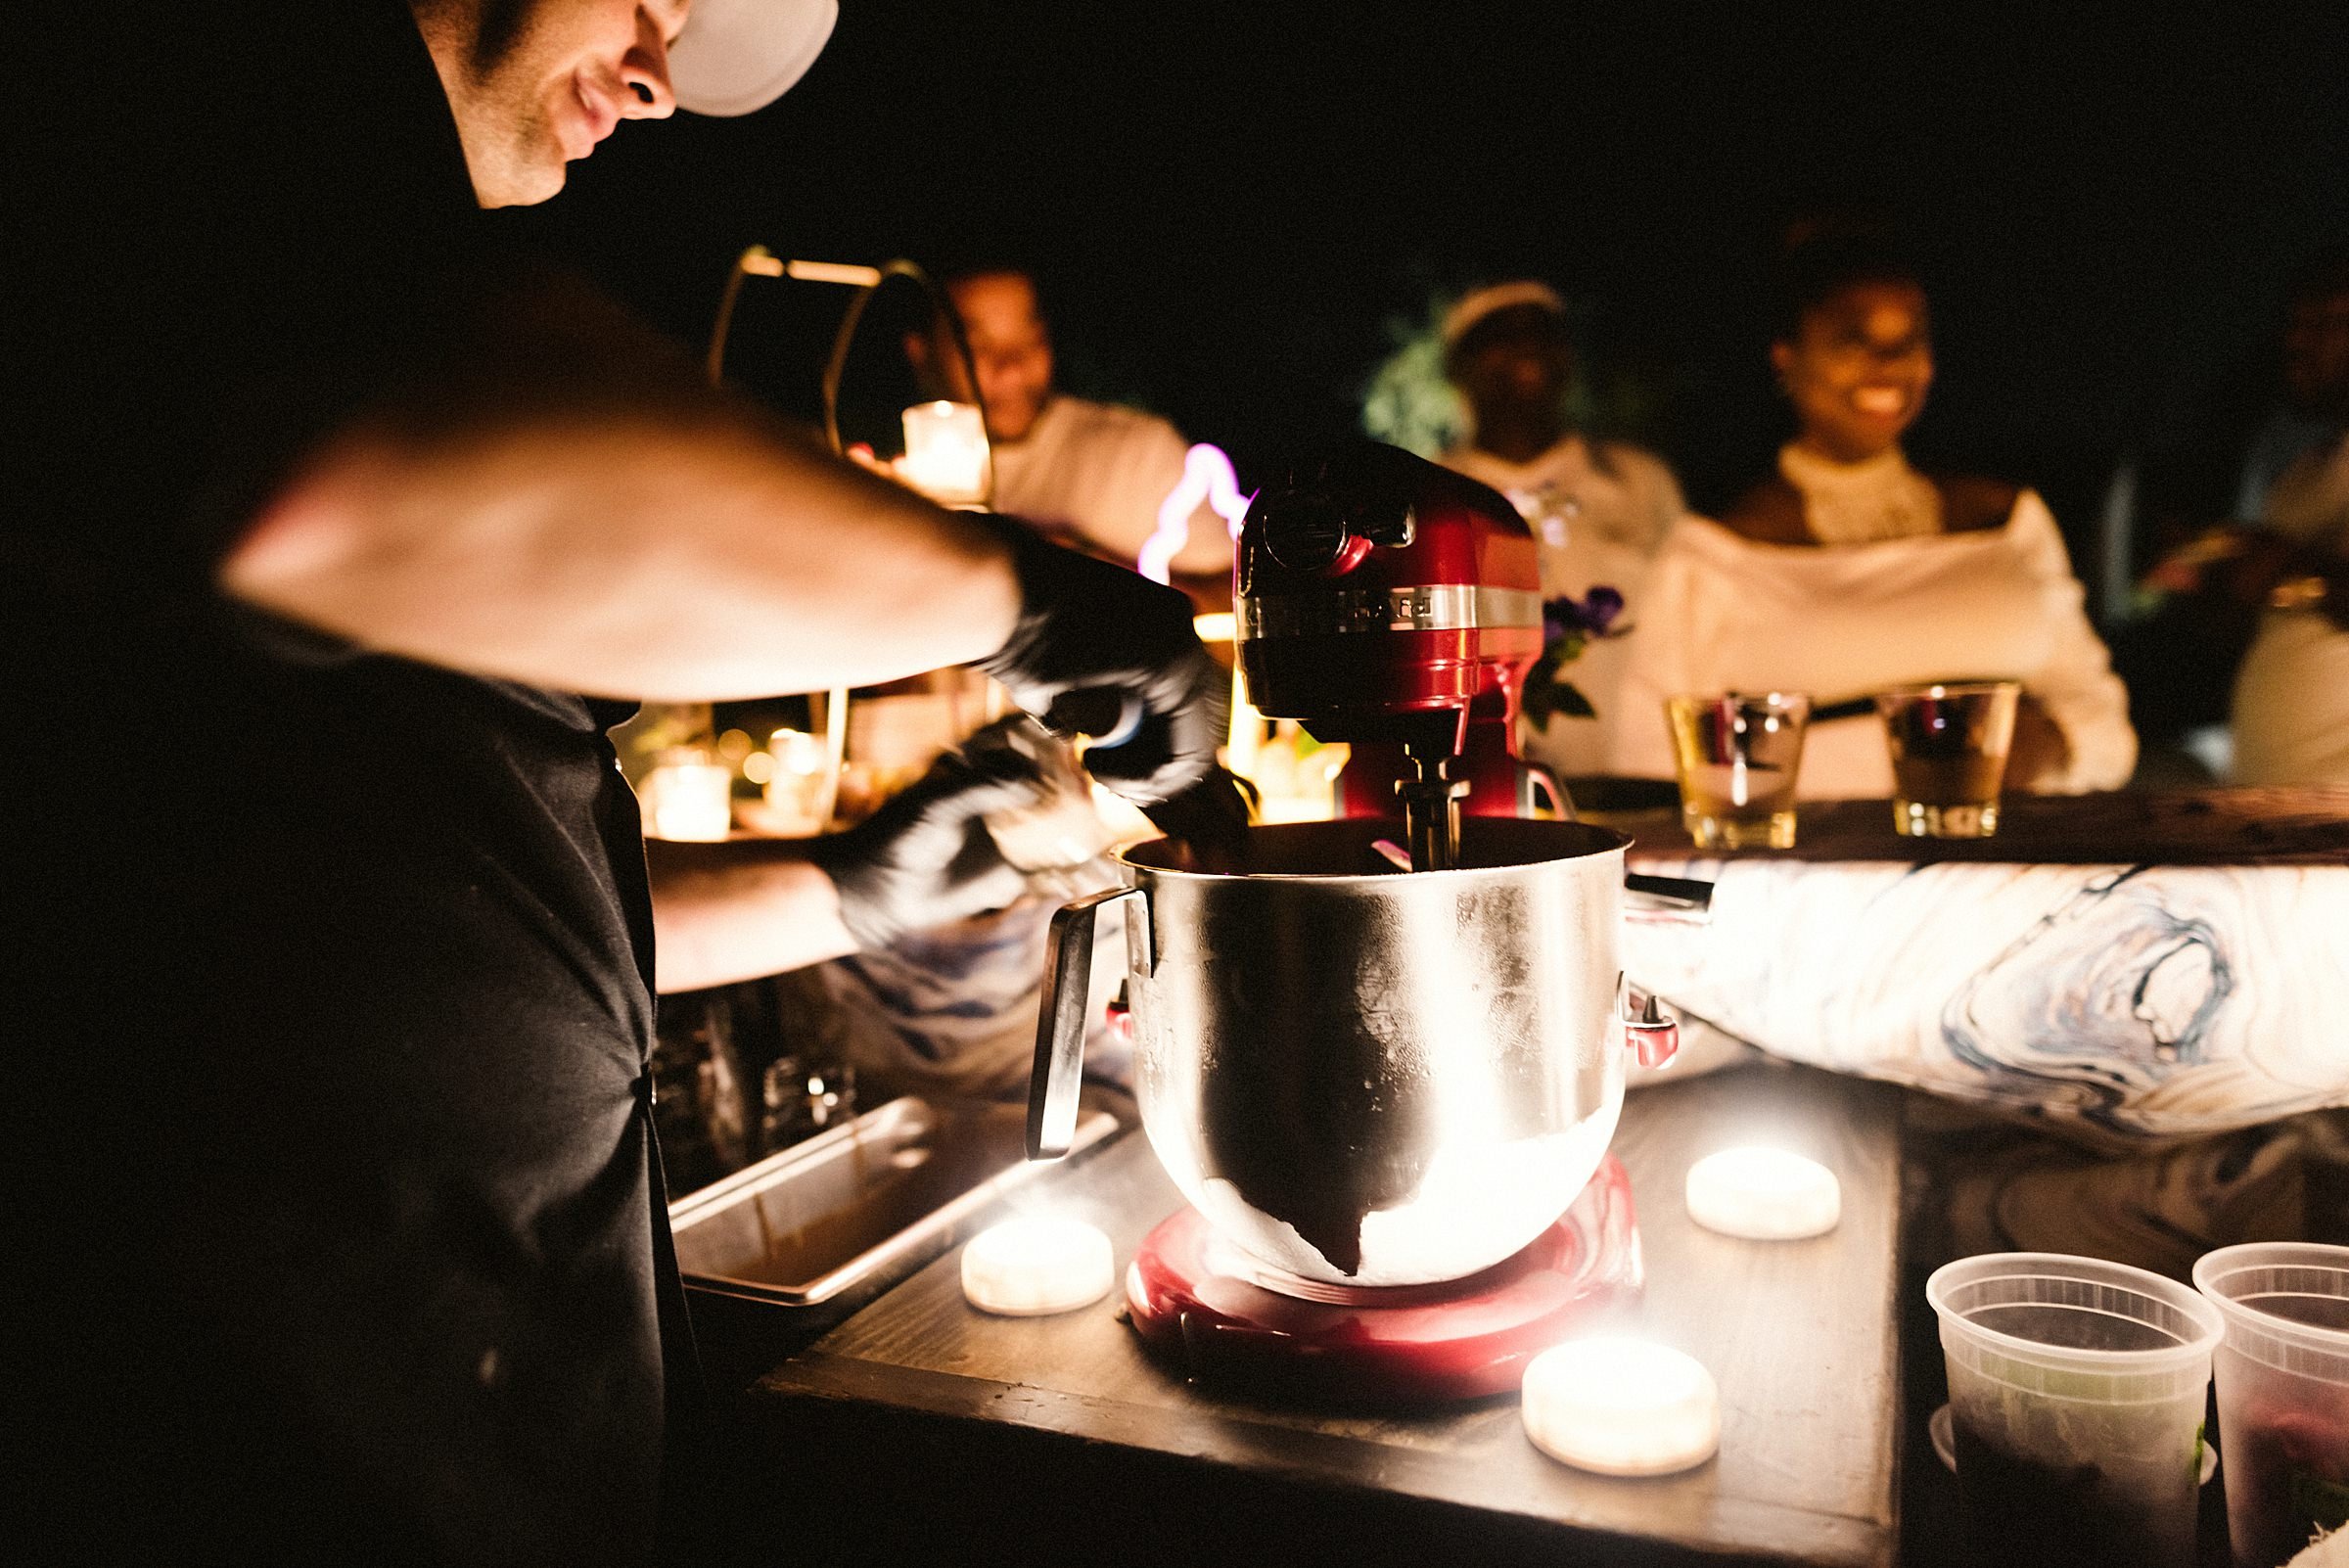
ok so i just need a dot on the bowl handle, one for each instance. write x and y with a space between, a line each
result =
1667 900
1059 1072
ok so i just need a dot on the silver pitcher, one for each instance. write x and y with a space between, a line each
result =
1363 1076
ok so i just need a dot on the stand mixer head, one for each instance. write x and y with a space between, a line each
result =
1394 605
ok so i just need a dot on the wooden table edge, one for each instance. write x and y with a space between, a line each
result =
1327 1461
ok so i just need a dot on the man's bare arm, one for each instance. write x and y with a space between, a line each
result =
737 911
552 495
723 912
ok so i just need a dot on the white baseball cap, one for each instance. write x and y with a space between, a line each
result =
736 55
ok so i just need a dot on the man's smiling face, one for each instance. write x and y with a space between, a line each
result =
535 84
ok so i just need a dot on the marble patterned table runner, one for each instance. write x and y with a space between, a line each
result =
2120 966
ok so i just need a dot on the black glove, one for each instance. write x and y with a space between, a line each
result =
925 859
1093 638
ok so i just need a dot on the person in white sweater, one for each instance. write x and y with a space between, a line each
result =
1847 572
2291 695
1598 508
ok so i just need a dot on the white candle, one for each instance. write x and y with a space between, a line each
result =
1764 1194
1032 1267
689 801
1622 1406
947 455
797 792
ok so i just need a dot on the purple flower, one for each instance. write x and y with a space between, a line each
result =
1589 616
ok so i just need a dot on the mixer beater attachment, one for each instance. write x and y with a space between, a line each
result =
1431 809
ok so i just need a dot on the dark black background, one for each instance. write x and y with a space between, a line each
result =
1229 201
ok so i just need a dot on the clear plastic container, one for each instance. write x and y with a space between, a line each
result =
2283 1393
2076 1390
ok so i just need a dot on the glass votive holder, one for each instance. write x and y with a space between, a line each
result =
688 796
1736 756
799 784
947 455
1949 745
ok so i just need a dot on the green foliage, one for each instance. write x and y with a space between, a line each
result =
1406 401
1547 692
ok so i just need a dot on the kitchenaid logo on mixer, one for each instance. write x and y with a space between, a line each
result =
1428 607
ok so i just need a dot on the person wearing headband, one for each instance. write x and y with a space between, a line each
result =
1598 508
343 533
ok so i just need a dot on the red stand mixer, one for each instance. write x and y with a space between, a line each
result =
1396 606
1384 1073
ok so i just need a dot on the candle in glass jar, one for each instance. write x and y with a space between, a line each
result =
1764 1194
688 800
1620 1405
947 453
1036 1266
799 796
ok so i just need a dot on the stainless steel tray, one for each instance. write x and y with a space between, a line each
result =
801 1226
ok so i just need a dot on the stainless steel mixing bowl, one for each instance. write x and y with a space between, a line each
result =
1363 1076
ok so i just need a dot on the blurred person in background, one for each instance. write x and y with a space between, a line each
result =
1847 570
2285 484
1598 508
2227 592
2291 696
1096 472
951 1008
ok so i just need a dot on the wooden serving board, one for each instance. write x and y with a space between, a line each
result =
923 1415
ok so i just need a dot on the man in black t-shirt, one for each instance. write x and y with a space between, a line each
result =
338 1214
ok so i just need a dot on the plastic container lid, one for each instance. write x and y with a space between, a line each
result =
2164 1333
2238 1279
